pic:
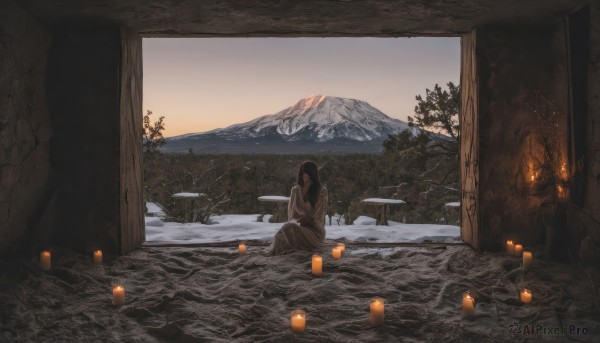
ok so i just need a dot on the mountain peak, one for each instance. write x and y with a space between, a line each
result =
317 118
310 102
322 118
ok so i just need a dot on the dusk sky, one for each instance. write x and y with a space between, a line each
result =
200 84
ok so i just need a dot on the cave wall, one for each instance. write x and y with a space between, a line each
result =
593 176
25 128
83 97
514 64
585 222
70 134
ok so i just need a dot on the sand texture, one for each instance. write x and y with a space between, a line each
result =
214 295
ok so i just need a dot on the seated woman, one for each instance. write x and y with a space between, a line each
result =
305 228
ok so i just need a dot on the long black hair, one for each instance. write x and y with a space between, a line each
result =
310 168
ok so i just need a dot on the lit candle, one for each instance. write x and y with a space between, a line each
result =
377 310
45 260
510 248
118 295
298 321
242 248
561 193
317 265
336 253
526 296
518 249
342 247
527 259
563 171
98 257
468 304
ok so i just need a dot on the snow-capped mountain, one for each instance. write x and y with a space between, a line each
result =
313 120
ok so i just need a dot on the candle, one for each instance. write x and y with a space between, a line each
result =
527 259
377 310
526 296
468 304
98 256
518 249
510 248
336 253
45 260
342 247
561 193
298 321
242 248
118 295
317 265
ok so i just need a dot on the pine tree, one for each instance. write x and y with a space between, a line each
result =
153 134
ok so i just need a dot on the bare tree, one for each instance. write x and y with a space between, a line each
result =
213 195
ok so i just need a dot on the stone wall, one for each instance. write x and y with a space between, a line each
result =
593 177
83 100
587 221
515 63
25 129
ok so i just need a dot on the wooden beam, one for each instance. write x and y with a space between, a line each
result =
131 178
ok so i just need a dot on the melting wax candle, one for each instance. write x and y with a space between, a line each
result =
510 248
118 295
518 249
342 247
98 257
377 311
525 296
527 259
468 304
336 253
45 260
317 265
298 321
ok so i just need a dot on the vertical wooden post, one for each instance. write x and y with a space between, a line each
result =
469 143
131 178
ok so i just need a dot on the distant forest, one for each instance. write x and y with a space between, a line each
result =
232 184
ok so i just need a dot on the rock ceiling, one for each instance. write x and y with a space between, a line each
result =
301 17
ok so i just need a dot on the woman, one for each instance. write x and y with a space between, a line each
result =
305 228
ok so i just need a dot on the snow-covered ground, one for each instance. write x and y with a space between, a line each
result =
233 228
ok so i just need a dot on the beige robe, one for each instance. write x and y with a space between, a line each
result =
292 236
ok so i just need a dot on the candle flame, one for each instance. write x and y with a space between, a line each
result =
378 302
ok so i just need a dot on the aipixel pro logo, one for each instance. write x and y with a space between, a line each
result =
519 329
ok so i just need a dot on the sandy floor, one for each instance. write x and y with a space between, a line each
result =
214 295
